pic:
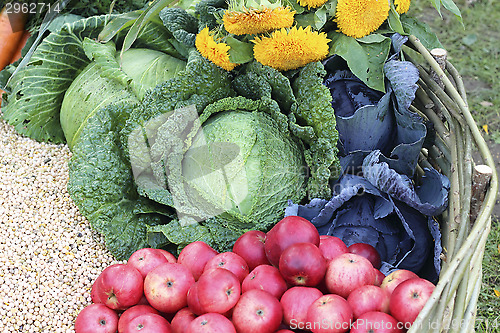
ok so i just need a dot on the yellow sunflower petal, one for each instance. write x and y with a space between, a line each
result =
256 21
213 51
402 6
358 18
312 3
285 50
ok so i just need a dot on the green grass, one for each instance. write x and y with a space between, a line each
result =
489 304
474 48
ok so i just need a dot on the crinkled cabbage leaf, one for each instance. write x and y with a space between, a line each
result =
308 104
101 178
101 184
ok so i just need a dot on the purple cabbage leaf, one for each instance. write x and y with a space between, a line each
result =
369 120
430 197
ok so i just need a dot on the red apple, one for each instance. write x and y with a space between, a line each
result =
267 278
230 261
295 303
96 318
379 277
348 272
257 311
166 287
250 246
193 302
409 298
181 320
148 323
120 287
95 291
302 264
195 256
329 313
331 247
169 256
368 298
218 290
144 260
211 323
376 322
392 280
367 251
288 231
133 312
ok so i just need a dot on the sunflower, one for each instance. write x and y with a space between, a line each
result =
358 18
255 21
290 49
402 6
213 51
312 3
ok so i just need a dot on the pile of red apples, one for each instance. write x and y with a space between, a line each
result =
289 279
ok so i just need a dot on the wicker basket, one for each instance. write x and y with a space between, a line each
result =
453 304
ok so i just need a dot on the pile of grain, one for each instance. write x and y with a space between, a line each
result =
49 256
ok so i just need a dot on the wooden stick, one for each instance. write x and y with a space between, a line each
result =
458 80
426 101
440 55
481 177
471 310
466 186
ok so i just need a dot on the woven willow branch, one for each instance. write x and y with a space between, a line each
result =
458 288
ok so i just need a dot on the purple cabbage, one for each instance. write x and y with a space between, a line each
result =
360 212
378 200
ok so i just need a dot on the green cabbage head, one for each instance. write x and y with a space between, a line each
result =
109 79
236 164
242 165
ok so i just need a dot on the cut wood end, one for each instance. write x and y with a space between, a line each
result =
483 169
439 52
